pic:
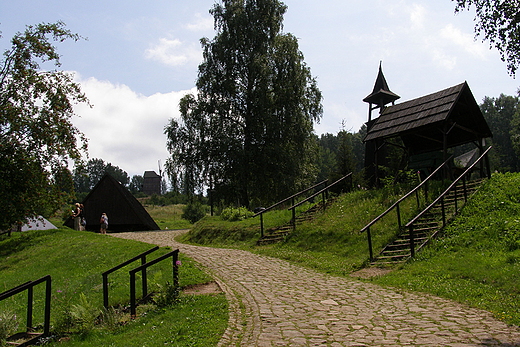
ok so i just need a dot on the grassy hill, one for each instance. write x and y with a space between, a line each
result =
475 261
75 260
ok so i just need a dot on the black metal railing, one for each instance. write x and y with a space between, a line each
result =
292 198
30 299
175 274
440 198
323 192
105 274
396 205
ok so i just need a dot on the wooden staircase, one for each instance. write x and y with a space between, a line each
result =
280 234
426 227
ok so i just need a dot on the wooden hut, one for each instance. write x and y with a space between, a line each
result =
427 126
124 212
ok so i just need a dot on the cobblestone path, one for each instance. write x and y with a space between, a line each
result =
275 303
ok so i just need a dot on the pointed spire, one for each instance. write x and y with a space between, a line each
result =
381 95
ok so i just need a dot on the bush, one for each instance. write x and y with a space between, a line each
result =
235 214
8 326
194 212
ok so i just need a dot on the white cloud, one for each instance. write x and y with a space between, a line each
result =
201 23
126 128
174 52
417 16
464 41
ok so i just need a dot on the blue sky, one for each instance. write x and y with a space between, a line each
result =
140 58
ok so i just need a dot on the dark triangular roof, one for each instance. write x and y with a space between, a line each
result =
422 122
124 212
381 94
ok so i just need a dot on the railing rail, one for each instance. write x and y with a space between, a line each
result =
440 199
396 205
323 193
324 190
47 309
404 197
290 198
105 274
175 274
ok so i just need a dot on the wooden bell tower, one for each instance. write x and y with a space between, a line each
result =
374 149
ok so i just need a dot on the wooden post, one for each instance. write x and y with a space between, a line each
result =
369 238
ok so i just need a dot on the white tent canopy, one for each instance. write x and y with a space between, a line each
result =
38 223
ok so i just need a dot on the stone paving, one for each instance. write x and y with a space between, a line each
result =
274 303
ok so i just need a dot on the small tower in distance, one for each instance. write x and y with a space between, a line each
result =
381 95
375 150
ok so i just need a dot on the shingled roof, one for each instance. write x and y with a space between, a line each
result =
422 123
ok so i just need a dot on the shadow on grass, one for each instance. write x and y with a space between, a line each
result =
18 241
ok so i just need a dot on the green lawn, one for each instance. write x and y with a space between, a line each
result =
75 260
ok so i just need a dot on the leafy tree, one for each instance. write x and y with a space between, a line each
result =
498 21
515 132
87 176
248 132
499 113
136 183
37 137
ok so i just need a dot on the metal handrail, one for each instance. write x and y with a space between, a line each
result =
30 300
405 197
448 189
105 274
175 274
320 192
410 224
323 192
292 197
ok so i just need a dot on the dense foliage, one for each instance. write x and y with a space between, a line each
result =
501 114
498 21
248 133
88 175
37 137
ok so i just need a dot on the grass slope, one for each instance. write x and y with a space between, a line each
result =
75 260
477 259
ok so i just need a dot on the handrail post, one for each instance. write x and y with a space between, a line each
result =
47 313
144 280
456 198
29 306
105 290
262 225
398 210
465 188
412 245
294 219
426 191
443 212
175 269
369 238
132 295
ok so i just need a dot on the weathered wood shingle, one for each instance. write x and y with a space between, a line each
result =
422 123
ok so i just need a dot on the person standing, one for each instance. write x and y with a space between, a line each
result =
76 215
83 221
104 223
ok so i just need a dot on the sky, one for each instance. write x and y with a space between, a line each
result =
139 58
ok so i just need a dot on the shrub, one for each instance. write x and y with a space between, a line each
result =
194 212
168 296
235 214
8 325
